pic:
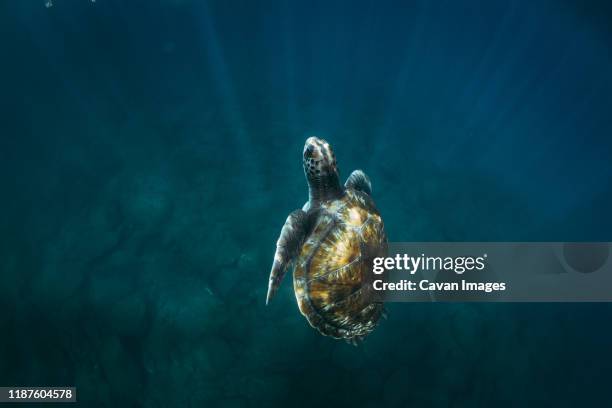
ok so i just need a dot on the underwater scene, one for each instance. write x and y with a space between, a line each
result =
151 151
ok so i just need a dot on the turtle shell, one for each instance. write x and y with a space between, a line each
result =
333 270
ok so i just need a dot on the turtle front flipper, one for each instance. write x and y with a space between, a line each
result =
287 247
359 181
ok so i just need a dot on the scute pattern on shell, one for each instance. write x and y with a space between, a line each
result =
331 271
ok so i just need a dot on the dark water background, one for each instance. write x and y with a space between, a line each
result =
151 150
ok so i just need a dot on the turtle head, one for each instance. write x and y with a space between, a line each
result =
319 158
321 170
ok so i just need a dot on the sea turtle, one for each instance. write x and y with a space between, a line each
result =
331 242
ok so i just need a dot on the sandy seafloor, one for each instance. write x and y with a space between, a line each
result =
151 150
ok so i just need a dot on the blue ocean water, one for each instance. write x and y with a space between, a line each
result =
151 151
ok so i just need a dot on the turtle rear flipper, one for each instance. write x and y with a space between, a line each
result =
355 341
287 247
359 181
